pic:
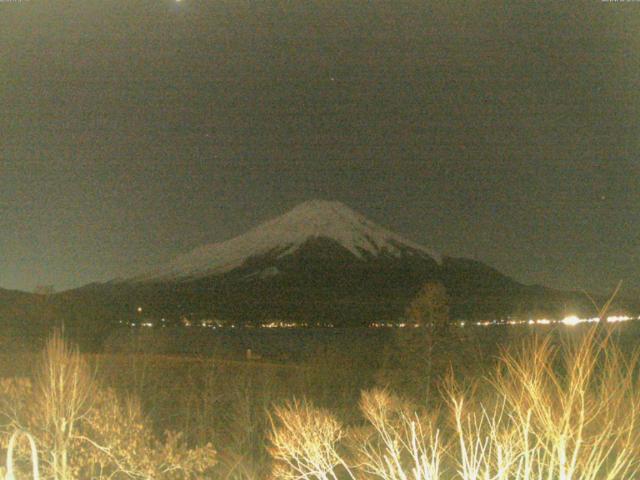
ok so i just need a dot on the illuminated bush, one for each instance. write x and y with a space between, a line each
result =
545 413
85 431
305 442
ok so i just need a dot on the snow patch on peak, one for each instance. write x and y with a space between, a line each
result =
334 220
285 234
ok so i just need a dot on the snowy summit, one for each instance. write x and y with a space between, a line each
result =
285 234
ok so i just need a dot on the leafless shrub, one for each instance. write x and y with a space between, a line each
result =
86 431
305 442
402 445
64 390
568 413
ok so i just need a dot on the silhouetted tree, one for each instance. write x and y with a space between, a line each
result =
430 308
419 356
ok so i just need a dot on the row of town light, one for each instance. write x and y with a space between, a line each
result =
570 320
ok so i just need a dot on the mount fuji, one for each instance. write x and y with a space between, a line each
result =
319 263
330 223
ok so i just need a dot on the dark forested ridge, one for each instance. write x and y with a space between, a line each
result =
320 283
321 263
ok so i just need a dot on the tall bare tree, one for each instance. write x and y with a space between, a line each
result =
66 390
430 308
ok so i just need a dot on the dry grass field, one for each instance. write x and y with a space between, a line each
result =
551 405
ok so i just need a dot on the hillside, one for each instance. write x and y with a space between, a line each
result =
320 263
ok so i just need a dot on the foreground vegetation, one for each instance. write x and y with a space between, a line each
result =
538 407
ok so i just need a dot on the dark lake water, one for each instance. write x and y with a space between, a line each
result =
301 343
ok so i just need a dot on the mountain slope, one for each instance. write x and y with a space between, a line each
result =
287 234
320 263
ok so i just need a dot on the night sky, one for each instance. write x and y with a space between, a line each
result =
134 130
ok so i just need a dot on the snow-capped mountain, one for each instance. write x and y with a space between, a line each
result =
320 263
286 235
